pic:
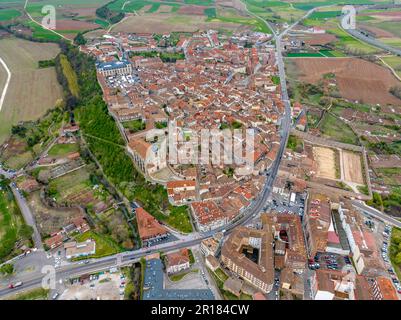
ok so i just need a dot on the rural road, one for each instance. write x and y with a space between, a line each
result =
3 94
28 216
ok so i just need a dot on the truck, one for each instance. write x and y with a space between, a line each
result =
15 285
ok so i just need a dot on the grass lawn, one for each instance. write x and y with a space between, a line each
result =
134 125
337 130
179 219
11 222
104 245
178 277
34 294
395 249
19 161
63 149
221 275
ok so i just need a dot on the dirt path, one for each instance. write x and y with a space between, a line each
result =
3 95
388 66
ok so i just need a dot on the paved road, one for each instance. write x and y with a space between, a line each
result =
25 210
376 213
373 41
28 216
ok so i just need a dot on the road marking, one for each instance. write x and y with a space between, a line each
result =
3 95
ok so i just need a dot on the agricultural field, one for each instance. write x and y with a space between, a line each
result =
351 165
60 150
9 14
76 188
80 188
30 138
274 11
326 160
14 233
385 25
337 130
32 91
168 22
357 79
72 16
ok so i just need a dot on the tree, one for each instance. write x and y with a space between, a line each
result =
397 258
7 268
79 39
25 232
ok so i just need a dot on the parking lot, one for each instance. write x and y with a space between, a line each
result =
282 205
104 286
329 261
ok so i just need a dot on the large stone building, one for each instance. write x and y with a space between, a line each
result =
248 253
114 68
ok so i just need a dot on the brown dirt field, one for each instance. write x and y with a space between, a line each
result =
164 9
352 167
166 22
144 9
319 39
357 79
82 12
236 4
192 10
326 160
75 25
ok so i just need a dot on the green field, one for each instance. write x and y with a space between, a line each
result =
41 33
313 4
63 149
9 14
12 225
319 15
350 44
304 55
337 130
70 75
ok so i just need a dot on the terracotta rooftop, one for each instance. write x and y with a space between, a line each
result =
148 226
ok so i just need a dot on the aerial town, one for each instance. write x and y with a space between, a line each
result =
179 166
